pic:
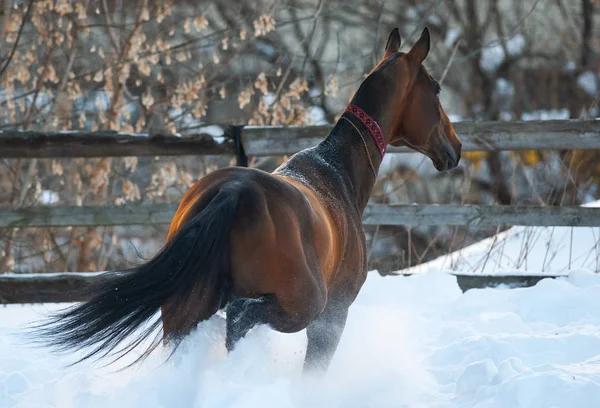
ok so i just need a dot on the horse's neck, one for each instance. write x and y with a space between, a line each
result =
354 155
338 168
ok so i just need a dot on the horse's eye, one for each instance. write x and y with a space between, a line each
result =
438 89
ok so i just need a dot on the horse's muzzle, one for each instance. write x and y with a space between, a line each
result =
447 157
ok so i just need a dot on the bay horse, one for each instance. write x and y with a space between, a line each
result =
287 248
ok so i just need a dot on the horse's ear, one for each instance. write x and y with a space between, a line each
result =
420 50
393 43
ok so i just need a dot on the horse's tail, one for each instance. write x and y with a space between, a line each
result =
191 269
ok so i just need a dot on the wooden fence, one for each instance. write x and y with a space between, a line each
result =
243 142
66 287
375 214
278 140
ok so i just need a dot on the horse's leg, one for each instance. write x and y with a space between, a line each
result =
324 335
296 314
245 313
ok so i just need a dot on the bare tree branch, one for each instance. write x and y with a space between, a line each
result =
12 52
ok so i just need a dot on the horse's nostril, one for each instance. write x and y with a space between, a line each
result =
451 156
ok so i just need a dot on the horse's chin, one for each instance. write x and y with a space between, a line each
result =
439 166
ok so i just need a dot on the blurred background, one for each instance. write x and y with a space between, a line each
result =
193 67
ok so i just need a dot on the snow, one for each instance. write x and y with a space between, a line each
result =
417 162
503 95
570 66
49 197
413 341
515 44
213 130
451 37
314 92
101 101
493 56
588 81
553 114
433 19
504 87
269 98
410 341
316 115
455 117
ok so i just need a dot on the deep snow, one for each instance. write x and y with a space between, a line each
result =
410 342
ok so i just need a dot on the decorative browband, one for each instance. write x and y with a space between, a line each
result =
371 124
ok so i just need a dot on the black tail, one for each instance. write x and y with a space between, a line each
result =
196 260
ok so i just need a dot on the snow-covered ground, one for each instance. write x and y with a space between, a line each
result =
415 341
410 342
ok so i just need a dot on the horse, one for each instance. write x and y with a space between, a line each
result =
285 249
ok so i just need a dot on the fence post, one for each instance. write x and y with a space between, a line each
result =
235 132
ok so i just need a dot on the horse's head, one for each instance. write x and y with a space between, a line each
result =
414 115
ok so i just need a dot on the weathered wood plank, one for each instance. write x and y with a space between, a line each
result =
30 144
475 136
282 140
34 217
467 282
45 288
67 287
481 215
375 214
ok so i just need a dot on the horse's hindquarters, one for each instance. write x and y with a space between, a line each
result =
279 246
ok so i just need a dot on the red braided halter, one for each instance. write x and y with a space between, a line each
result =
371 124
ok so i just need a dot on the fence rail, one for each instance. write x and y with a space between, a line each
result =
67 287
475 136
30 144
285 140
375 214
